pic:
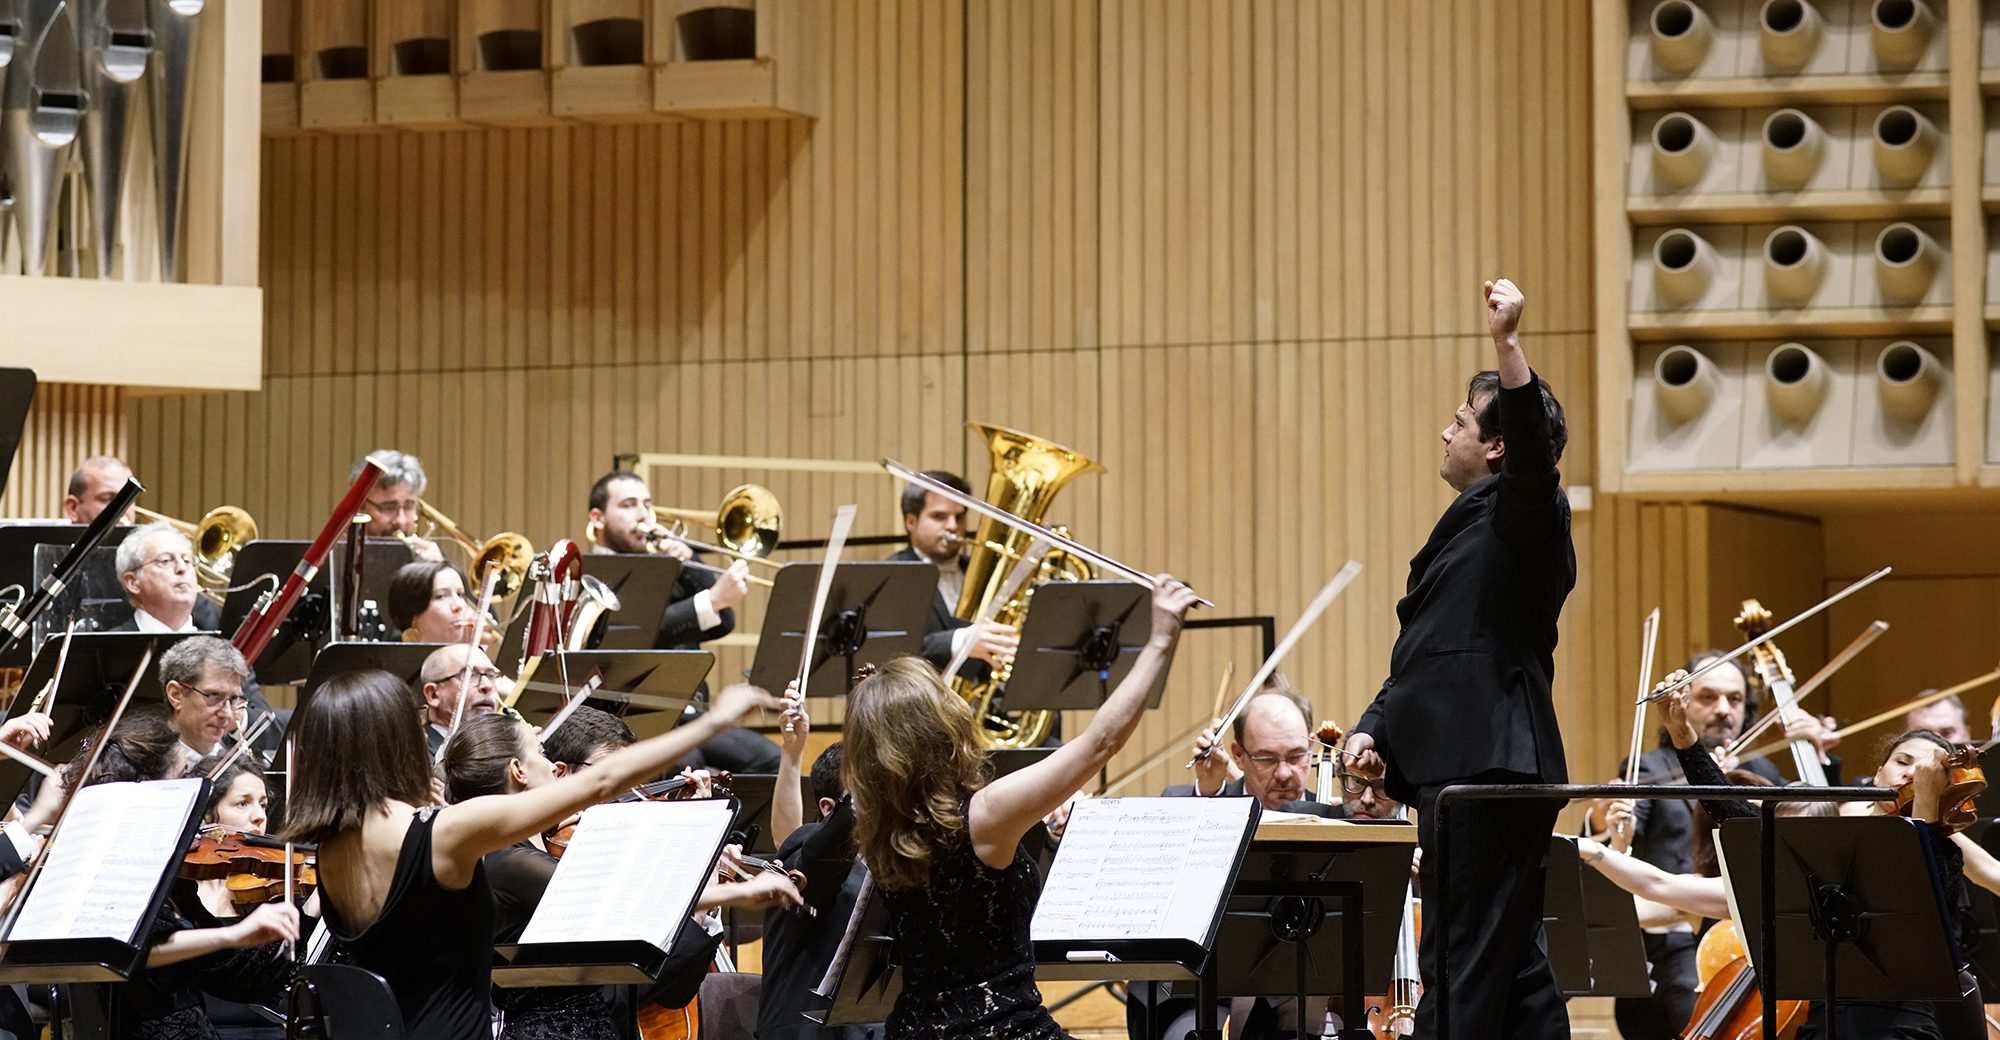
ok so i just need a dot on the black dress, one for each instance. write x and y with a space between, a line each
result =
519 875
432 945
165 1002
968 968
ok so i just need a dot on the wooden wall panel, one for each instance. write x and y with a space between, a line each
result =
1228 249
68 423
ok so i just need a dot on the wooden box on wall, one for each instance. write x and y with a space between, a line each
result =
1792 189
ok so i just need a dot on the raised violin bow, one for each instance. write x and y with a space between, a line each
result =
1649 645
1767 636
1327 594
1025 567
1907 706
843 520
1868 635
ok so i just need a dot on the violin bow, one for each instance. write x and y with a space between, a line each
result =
843 520
569 707
1649 646
34 871
46 698
1868 635
1327 594
1907 706
291 767
1769 635
243 740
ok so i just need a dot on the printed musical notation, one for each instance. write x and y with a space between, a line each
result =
1141 868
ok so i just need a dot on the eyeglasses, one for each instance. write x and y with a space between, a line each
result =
479 676
1266 760
171 561
236 700
1355 785
391 508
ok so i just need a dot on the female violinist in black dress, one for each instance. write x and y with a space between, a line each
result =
401 882
944 844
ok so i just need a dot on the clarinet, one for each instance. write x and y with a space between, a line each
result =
16 622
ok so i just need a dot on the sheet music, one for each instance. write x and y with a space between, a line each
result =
1141 868
663 849
109 856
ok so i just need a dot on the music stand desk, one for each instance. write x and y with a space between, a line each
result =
874 611
635 682
1079 641
100 663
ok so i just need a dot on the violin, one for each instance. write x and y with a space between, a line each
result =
758 865
252 866
673 789
1729 1006
1964 781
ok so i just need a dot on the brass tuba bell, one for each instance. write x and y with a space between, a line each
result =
1027 473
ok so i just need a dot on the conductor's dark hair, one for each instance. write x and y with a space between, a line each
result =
410 590
913 495
360 743
587 730
825 774
1487 385
600 492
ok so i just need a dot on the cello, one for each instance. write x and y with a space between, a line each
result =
1728 1005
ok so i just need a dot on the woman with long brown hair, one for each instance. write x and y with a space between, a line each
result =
401 881
944 843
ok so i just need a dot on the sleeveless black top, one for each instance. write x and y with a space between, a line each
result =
968 967
434 946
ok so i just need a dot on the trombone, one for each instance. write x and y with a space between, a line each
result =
217 536
746 525
508 551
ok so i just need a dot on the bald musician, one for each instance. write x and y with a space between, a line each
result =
95 483
453 672
1468 695
391 504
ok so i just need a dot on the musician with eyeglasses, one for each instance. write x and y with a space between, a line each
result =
156 565
450 674
392 504
203 678
1269 759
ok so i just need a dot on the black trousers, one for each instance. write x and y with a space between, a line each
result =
1498 984
1662 1016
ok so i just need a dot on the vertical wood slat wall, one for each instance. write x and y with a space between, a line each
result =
1229 249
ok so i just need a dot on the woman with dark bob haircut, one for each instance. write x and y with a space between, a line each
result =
400 878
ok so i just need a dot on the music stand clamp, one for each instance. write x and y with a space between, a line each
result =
1077 644
880 608
1845 883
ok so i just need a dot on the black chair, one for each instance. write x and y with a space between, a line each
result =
343 1002
729 1005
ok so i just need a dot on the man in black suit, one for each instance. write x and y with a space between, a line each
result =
701 608
156 566
936 527
455 673
1468 695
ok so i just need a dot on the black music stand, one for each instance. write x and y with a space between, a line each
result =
403 660
634 682
94 596
600 962
20 565
644 585
1618 966
289 657
100 664
103 958
1288 930
1845 884
1562 918
1080 639
874 611
381 558
866 975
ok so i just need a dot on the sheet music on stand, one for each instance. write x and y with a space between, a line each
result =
1138 886
667 850
89 916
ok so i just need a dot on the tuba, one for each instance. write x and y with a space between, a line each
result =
1027 473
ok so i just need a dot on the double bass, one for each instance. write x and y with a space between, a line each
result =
1393 1013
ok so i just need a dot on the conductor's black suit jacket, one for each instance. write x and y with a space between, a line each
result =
1468 691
